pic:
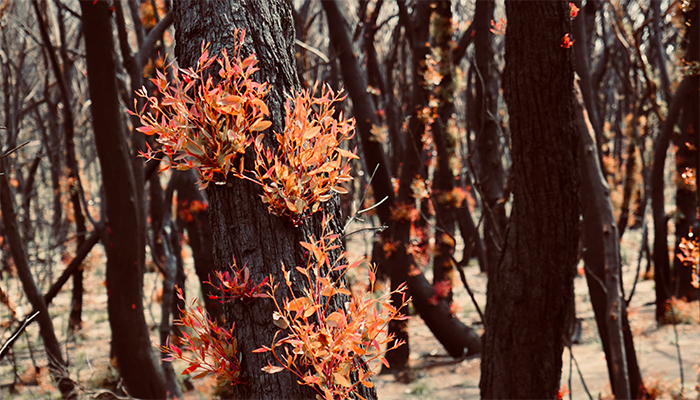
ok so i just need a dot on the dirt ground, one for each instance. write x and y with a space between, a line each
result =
433 374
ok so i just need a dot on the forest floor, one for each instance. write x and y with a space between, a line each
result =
432 375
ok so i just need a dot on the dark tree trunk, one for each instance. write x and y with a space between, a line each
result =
57 367
445 144
452 333
687 160
241 224
196 221
530 292
662 268
602 259
488 142
123 241
62 73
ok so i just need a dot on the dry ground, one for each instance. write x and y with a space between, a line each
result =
434 375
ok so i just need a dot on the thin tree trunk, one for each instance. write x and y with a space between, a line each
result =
488 142
123 240
57 367
602 259
662 269
530 292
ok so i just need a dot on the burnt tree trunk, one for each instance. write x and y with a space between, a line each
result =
62 73
123 241
487 146
57 366
241 224
450 331
530 292
662 268
602 259
687 161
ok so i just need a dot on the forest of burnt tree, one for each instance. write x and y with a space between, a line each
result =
197 197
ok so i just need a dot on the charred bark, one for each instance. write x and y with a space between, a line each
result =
530 292
602 259
123 239
241 225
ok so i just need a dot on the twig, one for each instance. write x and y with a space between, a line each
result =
312 50
639 259
678 349
600 281
364 195
460 269
583 382
16 335
7 153
373 228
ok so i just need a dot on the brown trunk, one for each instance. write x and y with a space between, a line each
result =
531 290
687 161
123 239
241 225
488 142
602 259
452 333
662 269
196 221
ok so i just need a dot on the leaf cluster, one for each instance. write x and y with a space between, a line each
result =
308 164
211 349
323 346
203 124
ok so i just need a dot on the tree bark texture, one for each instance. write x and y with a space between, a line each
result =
530 292
602 259
122 239
240 223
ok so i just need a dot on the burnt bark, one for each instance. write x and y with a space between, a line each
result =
62 73
123 240
241 225
602 259
687 143
530 292
489 166
437 316
662 268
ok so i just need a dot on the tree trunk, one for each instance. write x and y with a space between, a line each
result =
687 160
196 221
122 241
602 259
241 225
487 146
662 269
57 367
530 292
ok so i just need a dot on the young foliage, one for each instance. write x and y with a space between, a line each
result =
208 126
324 347
236 285
211 349
308 165
205 125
